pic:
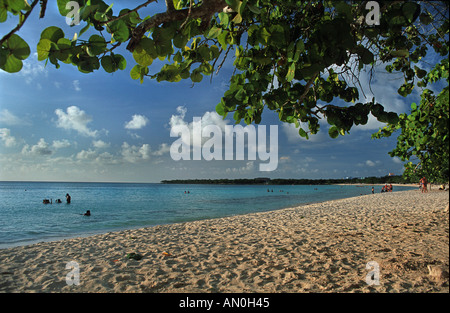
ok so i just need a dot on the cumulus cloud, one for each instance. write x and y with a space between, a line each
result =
75 119
41 148
196 128
137 122
86 155
59 144
163 148
134 154
6 138
100 144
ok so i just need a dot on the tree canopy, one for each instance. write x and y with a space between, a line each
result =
292 57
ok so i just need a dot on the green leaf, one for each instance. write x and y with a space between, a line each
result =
97 45
145 52
18 47
121 62
425 19
196 77
291 72
419 72
63 52
108 64
365 55
234 4
180 41
404 53
224 19
220 109
263 35
113 62
12 64
214 32
43 49
299 48
3 14
138 72
302 133
411 11
142 58
254 9
177 4
240 95
119 30
62 6
52 33
333 132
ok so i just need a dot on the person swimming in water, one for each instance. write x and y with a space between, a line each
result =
88 213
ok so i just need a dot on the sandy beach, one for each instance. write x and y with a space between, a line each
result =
322 247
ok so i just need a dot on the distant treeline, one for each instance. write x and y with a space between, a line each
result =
291 181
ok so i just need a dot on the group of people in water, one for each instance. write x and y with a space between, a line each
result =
68 200
46 201
385 188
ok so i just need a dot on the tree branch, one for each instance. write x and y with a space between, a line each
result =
15 29
129 12
208 8
307 87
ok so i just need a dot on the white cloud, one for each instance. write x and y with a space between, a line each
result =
8 118
5 136
33 71
163 148
292 135
370 163
249 166
86 155
76 85
75 119
397 160
41 148
135 154
100 144
209 118
137 122
59 144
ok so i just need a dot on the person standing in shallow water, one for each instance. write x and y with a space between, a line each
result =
68 198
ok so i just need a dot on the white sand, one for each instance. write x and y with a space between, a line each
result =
320 247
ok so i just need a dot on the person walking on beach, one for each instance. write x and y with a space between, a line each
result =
68 198
373 190
424 183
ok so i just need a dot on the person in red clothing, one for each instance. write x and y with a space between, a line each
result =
424 184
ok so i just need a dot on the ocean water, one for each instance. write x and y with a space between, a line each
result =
25 219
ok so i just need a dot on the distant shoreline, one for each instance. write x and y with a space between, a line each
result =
395 180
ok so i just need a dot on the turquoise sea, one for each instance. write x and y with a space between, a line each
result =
25 219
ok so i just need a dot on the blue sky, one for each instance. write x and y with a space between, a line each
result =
62 125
